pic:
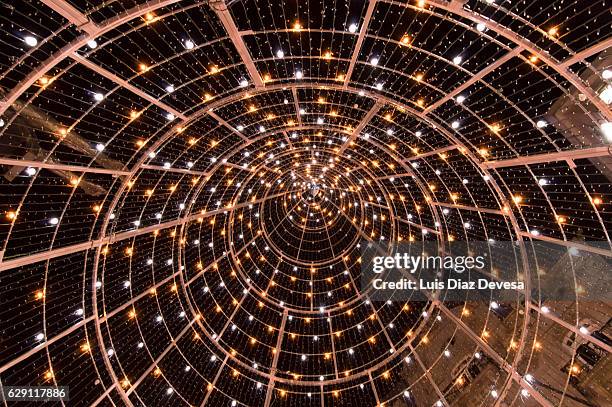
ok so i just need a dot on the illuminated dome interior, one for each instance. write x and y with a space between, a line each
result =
188 185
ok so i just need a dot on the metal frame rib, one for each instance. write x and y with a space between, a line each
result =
227 20
362 124
362 34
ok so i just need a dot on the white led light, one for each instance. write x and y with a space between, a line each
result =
100 147
40 337
353 28
374 61
244 83
606 74
169 390
189 44
30 171
460 99
30 41
541 124
280 53
606 129
98 96
481 27
240 127
169 88
379 86
542 181
170 116
262 129
457 60
299 75
455 124
53 221
92 44
152 154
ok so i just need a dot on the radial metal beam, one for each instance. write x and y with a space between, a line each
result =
394 176
279 342
296 103
214 382
73 15
416 225
570 244
333 345
362 34
108 315
62 167
220 7
530 47
226 124
469 208
572 328
64 251
427 373
79 42
44 344
104 395
569 156
501 362
192 172
475 78
585 53
125 84
362 124
160 357
433 152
